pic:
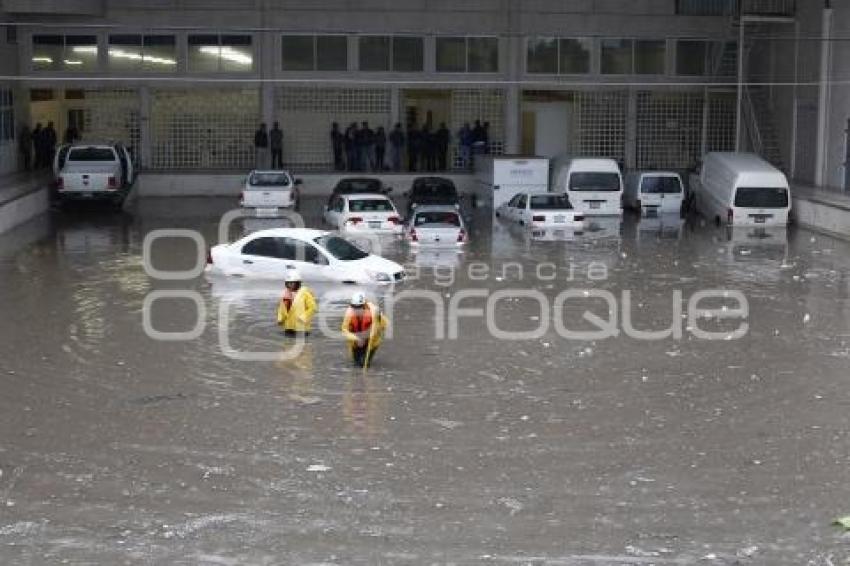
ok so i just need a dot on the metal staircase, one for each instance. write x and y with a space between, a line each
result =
758 126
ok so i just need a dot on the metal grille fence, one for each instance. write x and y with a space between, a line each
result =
306 115
669 129
720 133
469 105
111 116
600 124
204 129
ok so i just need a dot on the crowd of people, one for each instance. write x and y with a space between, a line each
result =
38 146
360 148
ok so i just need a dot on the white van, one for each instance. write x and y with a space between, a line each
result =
654 192
594 186
742 189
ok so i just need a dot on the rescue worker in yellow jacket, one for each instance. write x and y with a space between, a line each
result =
363 327
297 305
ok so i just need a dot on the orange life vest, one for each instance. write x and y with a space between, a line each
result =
360 321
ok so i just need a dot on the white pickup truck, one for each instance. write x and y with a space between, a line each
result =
93 172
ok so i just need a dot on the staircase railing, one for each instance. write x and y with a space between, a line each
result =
750 117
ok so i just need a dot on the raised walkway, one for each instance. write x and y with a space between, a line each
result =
823 210
22 196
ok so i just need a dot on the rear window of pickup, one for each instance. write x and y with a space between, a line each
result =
91 154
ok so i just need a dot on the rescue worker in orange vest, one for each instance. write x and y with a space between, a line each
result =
363 327
297 305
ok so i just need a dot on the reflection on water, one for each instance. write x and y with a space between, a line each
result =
364 405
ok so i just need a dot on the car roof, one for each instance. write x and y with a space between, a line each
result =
366 196
299 233
268 171
436 208
356 179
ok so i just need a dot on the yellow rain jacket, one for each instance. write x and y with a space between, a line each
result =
299 316
354 324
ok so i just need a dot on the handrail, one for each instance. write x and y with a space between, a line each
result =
751 119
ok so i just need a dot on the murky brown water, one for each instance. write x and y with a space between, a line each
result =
118 448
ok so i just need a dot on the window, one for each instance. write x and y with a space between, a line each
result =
542 55
374 53
136 52
761 197
209 53
650 57
407 54
64 53
403 54
331 53
661 185
314 52
263 247
370 205
594 182
690 57
451 54
298 52
341 249
467 54
616 56
91 154
7 115
550 202
550 55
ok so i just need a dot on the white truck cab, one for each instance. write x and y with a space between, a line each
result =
86 171
654 192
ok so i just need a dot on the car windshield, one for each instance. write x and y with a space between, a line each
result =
352 186
436 218
370 205
761 197
340 248
660 185
434 189
269 179
550 202
91 154
594 181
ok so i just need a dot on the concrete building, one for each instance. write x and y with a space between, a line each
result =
652 83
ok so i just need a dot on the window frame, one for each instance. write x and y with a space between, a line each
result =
466 39
559 55
314 44
61 66
219 66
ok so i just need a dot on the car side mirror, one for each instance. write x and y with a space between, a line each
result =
389 189
298 182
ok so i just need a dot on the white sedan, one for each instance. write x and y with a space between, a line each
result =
317 254
541 210
365 213
268 191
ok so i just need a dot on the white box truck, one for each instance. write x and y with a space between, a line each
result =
499 177
741 189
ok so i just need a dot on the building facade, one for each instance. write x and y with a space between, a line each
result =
651 83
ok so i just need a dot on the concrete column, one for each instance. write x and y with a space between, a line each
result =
823 96
267 110
145 138
512 119
631 130
792 158
395 106
704 134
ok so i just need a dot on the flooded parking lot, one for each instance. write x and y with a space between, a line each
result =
553 449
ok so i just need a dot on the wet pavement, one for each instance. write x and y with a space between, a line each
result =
116 448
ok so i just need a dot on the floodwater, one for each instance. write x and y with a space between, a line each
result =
118 448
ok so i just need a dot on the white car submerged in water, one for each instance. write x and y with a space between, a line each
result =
317 254
266 192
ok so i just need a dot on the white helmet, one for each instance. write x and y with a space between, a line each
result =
358 299
292 276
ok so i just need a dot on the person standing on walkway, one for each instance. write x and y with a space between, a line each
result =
429 149
261 147
413 139
50 140
368 159
72 134
396 147
25 147
464 138
276 143
351 146
442 137
38 145
380 148
338 147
